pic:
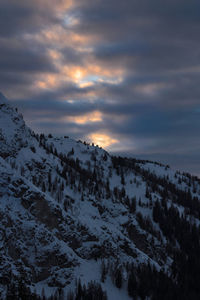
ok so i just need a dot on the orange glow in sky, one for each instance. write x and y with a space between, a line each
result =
102 140
78 74
95 116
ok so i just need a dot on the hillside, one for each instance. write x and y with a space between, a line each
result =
71 214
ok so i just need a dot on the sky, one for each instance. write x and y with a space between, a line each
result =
122 74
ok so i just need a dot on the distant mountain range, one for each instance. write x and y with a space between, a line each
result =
78 223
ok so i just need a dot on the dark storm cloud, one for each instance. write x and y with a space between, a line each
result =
18 57
71 56
54 107
149 36
17 17
153 45
143 14
20 65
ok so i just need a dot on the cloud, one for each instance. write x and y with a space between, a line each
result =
125 70
18 57
21 17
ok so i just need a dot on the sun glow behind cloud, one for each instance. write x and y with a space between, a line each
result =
81 76
93 117
102 139
66 59
64 46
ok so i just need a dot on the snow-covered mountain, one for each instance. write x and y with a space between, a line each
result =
71 214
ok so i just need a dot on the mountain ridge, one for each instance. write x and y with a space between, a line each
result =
70 210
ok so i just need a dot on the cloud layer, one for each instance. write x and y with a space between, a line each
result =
124 74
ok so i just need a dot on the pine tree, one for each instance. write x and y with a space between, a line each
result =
132 284
103 271
49 181
118 278
122 177
133 205
43 187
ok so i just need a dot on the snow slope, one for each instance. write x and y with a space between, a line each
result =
67 207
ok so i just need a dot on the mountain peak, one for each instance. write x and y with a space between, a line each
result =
72 214
3 99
